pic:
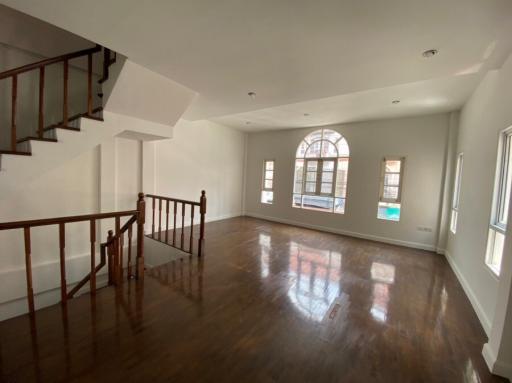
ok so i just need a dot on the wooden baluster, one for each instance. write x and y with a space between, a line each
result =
89 84
65 97
191 245
202 212
159 219
92 230
103 250
14 97
182 225
40 129
28 270
174 227
62 246
167 222
121 254
141 218
106 63
130 251
153 223
115 253
118 251
111 263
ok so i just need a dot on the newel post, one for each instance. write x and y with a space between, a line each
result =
202 212
141 219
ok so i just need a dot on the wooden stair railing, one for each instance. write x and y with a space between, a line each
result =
40 66
176 204
113 244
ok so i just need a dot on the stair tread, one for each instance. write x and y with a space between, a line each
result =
62 127
76 117
33 138
94 118
15 153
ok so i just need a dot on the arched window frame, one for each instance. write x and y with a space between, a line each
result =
321 172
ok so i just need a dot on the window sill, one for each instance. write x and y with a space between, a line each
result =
493 271
388 220
318 210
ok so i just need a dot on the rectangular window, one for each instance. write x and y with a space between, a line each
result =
267 190
499 215
323 183
456 194
390 193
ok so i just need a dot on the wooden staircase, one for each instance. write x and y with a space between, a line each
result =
21 145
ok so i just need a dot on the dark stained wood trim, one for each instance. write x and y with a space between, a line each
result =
56 221
14 98
53 60
30 138
15 153
40 129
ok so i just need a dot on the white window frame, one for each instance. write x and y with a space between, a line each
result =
319 173
499 212
383 173
456 193
341 156
382 185
263 179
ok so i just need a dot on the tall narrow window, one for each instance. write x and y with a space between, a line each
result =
321 169
456 194
267 190
390 194
499 215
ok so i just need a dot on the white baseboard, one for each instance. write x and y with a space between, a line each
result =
392 241
224 216
495 366
489 356
46 283
44 299
480 312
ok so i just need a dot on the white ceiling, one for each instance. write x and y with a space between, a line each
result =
340 60
424 97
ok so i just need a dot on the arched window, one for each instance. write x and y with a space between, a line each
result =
321 169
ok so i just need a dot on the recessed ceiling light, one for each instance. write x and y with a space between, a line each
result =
430 53
395 102
252 95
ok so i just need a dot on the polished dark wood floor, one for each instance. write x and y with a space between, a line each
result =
269 303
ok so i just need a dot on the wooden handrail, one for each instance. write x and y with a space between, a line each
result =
70 219
174 199
156 223
114 246
125 227
46 62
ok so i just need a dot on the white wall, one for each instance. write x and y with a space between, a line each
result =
69 189
482 118
128 172
421 140
202 156
485 114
